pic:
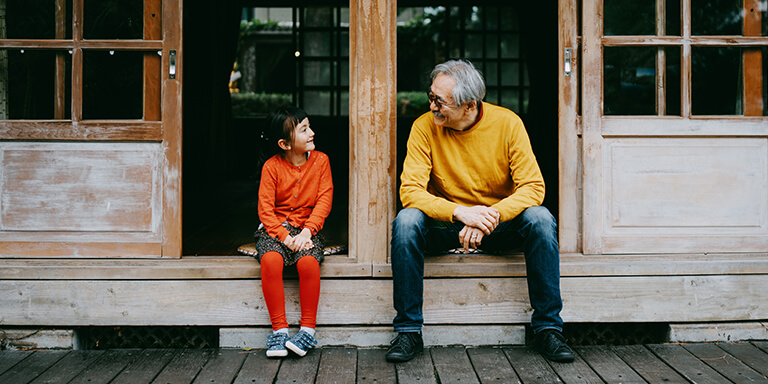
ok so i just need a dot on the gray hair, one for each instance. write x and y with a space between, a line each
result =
470 85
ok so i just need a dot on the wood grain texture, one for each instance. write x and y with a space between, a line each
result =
258 368
368 302
55 187
337 366
453 365
372 367
372 119
184 367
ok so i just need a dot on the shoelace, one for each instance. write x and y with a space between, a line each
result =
276 339
403 341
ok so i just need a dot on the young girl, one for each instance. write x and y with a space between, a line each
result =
295 197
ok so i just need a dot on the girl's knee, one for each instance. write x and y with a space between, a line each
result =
308 265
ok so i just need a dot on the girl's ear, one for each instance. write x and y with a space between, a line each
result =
284 145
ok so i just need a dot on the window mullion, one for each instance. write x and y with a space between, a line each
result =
685 78
661 61
752 61
77 60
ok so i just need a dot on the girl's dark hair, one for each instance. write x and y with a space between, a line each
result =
281 123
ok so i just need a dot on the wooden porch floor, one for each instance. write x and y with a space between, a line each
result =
652 363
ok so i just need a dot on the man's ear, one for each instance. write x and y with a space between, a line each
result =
284 145
470 107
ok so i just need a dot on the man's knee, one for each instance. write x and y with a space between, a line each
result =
407 221
540 219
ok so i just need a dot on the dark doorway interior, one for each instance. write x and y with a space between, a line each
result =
220 151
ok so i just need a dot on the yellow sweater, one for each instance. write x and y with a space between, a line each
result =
490 164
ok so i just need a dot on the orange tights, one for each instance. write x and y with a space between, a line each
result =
274 295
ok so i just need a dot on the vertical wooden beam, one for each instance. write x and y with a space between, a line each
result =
372 120
568 167
172 111
153 30
661 61
592 112
3 67
685 78
60 71
753 61
77 60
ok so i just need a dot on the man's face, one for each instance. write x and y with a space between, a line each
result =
448 114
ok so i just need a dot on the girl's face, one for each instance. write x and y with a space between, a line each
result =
303 138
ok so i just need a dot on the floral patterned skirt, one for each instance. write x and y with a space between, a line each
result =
266 243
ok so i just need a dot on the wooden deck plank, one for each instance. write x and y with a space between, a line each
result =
299 369
417 370
727 365
258 369
337 366
577 371
184 367
147 365
763 345
32 367
686 364
530 366
8 359
372 367
647 365
452 365
68 367
222 367
107 367
492 366
749 355
609 366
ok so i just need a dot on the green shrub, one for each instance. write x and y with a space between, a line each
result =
250 104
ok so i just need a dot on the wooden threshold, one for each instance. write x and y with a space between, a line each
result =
341 266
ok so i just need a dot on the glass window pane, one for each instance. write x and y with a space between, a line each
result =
491 17
454 44
492 46
492 74
509 20
344 43
629 17
317 44
673 80
510 98
317 103
113 85
473 46
37 19
32 80
510 74
629 80
672 27
317 73
716 17
113 19
510 46
344 106
716 79
318 17
344 73
473 19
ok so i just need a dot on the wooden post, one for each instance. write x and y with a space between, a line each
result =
372 121
3 67
753 61
153 30
60 71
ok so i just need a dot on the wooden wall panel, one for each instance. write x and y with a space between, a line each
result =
369 302
57 188
691 188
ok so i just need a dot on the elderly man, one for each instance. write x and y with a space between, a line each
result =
470 180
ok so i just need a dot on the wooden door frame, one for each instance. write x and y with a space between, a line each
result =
172 134
569 129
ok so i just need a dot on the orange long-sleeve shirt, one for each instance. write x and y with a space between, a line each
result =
301 195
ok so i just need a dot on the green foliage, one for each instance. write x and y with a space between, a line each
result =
250 103
255 26
412 103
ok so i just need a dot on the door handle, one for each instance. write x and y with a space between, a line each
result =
567 62
172 64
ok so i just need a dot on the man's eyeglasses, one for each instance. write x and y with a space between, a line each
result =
434 99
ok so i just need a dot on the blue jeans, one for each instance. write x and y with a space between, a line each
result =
535 230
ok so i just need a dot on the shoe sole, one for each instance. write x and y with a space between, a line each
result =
403 359
295 349
277 353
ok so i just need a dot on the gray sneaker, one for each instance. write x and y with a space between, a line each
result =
301 343
276 345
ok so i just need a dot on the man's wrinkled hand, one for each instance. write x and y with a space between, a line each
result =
483 218
470 237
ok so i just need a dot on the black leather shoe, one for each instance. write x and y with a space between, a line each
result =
551 344
404 347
